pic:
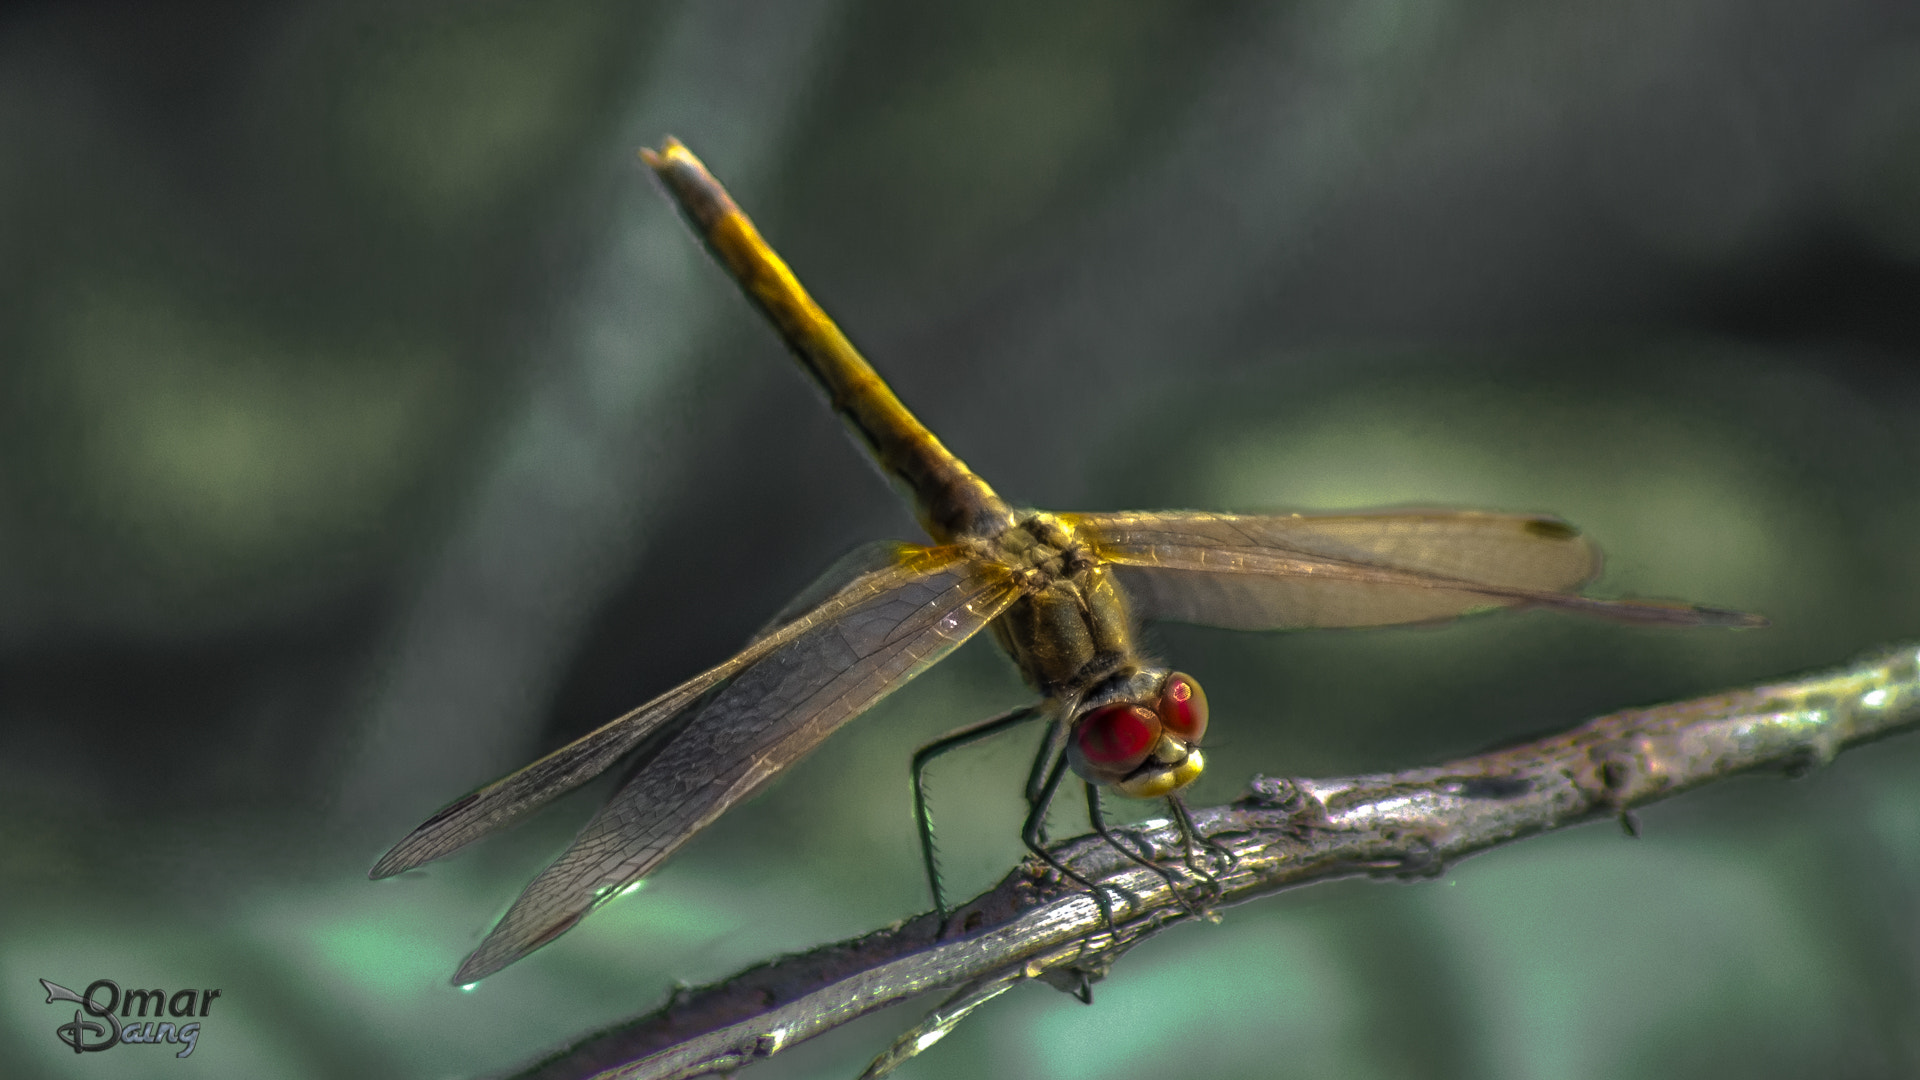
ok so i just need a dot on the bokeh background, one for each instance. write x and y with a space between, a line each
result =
369 425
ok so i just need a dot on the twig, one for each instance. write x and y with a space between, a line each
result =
1283 833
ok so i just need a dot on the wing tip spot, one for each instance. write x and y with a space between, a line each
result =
450 809
1551 528
1733 620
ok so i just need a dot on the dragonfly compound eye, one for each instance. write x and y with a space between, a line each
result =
1112 741
1183 707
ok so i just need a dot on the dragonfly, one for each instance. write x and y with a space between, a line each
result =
1062 594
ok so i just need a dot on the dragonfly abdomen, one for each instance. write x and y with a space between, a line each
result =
951 501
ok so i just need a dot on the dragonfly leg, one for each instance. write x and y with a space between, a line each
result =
1032 832
1189 835
1099 819
1037 776
922 813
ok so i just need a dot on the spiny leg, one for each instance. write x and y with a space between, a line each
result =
922 813
1031 835
1037 776
1099 819
1190 833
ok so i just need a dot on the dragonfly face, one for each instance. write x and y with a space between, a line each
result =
1060 591
1143 740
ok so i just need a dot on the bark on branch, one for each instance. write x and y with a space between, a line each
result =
1284 832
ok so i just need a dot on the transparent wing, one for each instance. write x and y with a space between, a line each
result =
772 713
848 568
907 570
1254 572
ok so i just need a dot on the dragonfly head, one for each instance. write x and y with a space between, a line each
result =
1142 740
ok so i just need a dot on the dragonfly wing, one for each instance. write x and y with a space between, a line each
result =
768 716
855 564
480 812
1255 572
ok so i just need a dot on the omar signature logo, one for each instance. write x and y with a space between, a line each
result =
95 1027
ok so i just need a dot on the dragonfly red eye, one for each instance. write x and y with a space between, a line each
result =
1183 707
1117 737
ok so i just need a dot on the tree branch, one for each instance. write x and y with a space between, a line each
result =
1282 833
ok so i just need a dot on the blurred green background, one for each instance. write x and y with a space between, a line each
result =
369 425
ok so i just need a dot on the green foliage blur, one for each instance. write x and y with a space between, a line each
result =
369 426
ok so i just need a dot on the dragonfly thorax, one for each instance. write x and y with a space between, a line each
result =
1073 629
